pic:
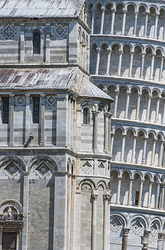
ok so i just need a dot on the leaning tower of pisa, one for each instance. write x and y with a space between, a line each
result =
127 62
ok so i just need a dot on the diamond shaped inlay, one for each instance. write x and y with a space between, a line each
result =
42 169
11 169
101 168
116 223
154 228
137 226
86 167
59 30
51 100
9 31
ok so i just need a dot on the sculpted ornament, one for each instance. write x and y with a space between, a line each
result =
9 31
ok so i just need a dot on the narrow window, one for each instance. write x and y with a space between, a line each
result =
5 110
36 42
36 109
86 116
136 198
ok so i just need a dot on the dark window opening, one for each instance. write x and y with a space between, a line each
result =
5 110
136 198
36 42
9 241
86 116
36 109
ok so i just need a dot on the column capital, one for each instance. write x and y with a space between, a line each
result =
107 196
94 194
26 173
126 231
124 11
98 50
160 236
109 50
103 9
113 10
107 114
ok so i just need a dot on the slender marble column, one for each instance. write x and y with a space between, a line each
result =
95 134
127 105
109 133
153 153
25 210
161 69
27 118
135 25
145 240
47 43
93 20
152 67
118 191
131 63
146 24
148 108
112 139
157 109
11 120
107 198
124 20
144 151
108 61
157 195
42 121
156 25
149 195
130 193
160 241
112 21
94 219
140 193
116 102
142 66
162 198
125 238
98 61
102 19
120 61
163 120
160 154
22 43
134 150
106 131
138 107
123 149
1 232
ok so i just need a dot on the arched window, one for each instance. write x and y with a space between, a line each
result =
86 116
36 42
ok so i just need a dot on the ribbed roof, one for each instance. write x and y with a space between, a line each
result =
40 8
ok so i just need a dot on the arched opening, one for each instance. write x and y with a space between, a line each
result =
107 19
36 42
151 23
147 63
125 61
114 60
111 92
103 59
130 20
161 25
137 59
118 19
157 65
143 105
86 116
141 21
133 104
93 60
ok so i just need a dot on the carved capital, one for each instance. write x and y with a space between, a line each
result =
160 236
94 194
126 231
107 197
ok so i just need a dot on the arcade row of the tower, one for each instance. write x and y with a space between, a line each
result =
144 20
127 59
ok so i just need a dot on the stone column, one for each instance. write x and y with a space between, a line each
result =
135 25
152 67
93 20
163 242
11 120
108 61
47 43
153 152
102 19
95 132
106 132
146 23
149 195
130 192
127 105
72 219
124 20
112 139
22 43
107 198
157 110
131 63
27 119
98 61
140 193
118 191
163 120
160 154
145 240
156 25
138 107
142 65
160 241
25 210
1 232
134 149
69 210
157 195
125 238
109 133
120 61
162 198
123 149
42 121
148 108
116 102
94 218
113 20
144 151
161 69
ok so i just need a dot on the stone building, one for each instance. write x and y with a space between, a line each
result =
127 62
55 130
